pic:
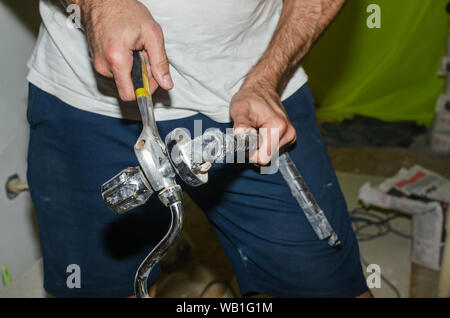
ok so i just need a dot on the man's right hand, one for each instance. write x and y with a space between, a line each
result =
114 29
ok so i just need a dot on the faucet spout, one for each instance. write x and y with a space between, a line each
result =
176 226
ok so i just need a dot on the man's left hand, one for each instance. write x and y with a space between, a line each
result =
259 106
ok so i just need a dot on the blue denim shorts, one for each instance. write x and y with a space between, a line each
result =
267 238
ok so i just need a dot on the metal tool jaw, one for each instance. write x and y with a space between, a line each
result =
192 158
151 151
133 186
181 152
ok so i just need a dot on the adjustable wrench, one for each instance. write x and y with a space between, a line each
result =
133 186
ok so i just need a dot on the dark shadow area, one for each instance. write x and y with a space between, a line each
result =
27 12
370 132
133 233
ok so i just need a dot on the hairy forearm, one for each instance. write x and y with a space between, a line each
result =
301 23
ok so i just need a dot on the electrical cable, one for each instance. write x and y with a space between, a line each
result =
364 219
380 222
218 281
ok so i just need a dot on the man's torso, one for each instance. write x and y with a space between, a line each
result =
211 46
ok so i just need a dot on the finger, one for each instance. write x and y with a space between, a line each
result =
159 63
120 62
152 82
241 128
272 130
269 146
289 137
102 67
242 125
241 122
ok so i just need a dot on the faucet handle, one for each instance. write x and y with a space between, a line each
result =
126 190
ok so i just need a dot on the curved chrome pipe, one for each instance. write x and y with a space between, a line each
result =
176 226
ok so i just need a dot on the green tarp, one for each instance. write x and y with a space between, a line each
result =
388 73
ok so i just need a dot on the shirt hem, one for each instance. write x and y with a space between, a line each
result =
90 104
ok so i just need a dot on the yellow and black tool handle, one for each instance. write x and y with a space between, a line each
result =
139 76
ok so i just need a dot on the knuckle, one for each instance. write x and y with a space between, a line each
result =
114 57
126 97
155 26
291 135
156 31
238 108
264 159
240 104
282 125
162 63
101 67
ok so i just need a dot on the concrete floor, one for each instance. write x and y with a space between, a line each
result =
391 252
28 285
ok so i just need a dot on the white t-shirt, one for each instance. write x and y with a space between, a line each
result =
211 46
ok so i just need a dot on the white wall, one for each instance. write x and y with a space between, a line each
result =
19 245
